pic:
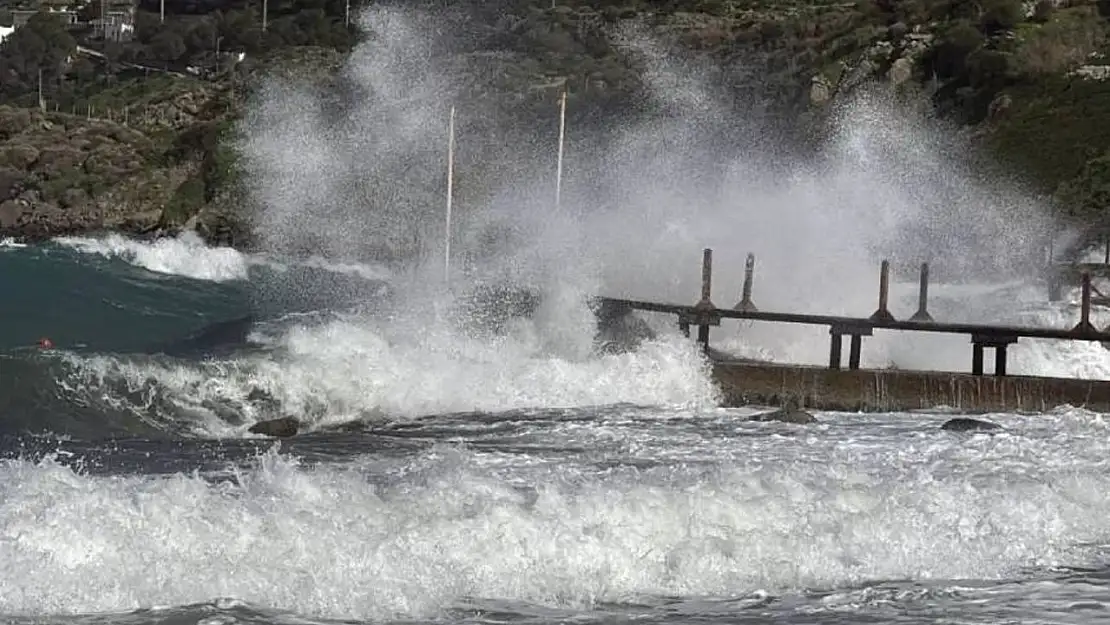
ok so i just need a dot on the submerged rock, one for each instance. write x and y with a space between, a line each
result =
283 427
791 412
786 415
964 424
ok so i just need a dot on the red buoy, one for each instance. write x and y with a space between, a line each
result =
46 343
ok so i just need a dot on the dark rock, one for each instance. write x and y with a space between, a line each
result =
10 212
10 181
791 412
74 197
259 394
786 415
964 424
283 427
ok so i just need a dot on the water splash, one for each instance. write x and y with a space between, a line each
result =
410 537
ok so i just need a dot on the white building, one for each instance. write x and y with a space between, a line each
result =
5 31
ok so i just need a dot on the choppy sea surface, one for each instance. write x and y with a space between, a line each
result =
448 476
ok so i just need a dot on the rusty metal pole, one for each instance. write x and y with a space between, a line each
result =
706 303
745 304
883 313
1085 304
922 313
1084 324
706 279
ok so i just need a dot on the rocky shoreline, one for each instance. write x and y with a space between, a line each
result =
63 174
149 156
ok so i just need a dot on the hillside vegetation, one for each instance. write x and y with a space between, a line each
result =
1030 81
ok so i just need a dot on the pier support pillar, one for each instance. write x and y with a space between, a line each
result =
999 343
856 332
854 352
835 349
703 319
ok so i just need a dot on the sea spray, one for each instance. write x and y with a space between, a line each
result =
888 183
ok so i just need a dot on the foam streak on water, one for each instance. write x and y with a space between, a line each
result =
693 505
185 255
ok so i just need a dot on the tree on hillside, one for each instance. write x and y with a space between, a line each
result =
1001 15
41 45
1088 194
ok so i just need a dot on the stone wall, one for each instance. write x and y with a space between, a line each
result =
896 390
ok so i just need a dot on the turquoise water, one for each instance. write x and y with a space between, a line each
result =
92 305
86 301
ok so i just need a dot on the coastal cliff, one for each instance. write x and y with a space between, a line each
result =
148 154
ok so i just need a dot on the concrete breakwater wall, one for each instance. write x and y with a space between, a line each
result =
888 390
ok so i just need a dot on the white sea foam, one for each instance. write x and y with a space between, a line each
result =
188 256
185 255
351 369
406 538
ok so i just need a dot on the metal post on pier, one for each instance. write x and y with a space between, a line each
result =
706 280
703 317
1084 326
922 313
883 313
705 302
745 304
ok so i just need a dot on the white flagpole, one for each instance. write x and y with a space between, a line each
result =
450 195
562 135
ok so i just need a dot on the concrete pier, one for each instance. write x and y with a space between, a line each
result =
855 389
890 390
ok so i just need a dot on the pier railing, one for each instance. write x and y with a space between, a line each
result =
705 314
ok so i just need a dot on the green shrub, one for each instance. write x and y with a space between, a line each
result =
1000 15
1088 194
